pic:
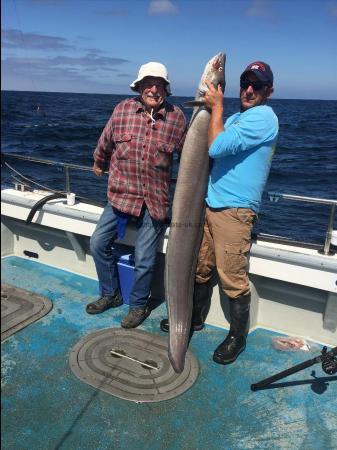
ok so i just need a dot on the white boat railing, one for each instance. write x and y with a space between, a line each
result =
276 196
273 196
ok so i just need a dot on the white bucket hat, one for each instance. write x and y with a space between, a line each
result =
152 69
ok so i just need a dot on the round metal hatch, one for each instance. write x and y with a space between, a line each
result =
131 364
20 308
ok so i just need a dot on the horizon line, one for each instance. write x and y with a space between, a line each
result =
133 95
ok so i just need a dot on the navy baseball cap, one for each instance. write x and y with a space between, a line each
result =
261 70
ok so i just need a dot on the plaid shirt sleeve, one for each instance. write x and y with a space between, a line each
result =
183 128
180 144
105 146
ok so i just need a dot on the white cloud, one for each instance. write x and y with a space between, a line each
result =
157 7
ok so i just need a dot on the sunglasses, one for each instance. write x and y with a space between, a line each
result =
149 84
256 85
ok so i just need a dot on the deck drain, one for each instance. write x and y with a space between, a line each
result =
131 364
20 308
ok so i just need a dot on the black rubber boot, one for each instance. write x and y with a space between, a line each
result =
235 342
201 300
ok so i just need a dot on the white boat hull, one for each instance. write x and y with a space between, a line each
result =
294 289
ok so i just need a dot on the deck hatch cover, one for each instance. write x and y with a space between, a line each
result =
20 308
131 364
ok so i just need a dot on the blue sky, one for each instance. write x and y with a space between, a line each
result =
97 46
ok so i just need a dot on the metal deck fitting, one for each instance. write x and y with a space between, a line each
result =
20 308
131 364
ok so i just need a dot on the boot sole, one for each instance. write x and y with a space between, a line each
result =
94 312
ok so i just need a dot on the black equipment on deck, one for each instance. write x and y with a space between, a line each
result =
327 358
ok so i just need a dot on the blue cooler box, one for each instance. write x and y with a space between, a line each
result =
126 267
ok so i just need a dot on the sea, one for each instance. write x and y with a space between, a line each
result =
65 127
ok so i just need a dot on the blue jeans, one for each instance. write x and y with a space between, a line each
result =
149 233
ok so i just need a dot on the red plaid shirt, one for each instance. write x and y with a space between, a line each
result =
139 156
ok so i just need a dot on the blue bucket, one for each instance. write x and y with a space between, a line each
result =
126 268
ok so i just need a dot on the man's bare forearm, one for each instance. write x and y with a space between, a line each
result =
214 100
216 125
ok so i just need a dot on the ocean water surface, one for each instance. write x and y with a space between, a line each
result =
65 127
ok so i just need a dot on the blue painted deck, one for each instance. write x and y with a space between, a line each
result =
44 406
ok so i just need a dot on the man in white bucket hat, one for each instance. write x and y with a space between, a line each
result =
136 146
152 70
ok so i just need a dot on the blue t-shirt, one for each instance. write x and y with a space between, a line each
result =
242 155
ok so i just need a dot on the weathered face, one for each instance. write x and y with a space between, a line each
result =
253 92
153 92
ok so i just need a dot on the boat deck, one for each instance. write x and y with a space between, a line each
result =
44 405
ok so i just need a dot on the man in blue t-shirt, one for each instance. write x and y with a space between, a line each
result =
241 153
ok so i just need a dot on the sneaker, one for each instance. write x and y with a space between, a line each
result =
103 303
135 317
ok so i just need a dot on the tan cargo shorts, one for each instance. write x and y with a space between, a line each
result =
225 245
